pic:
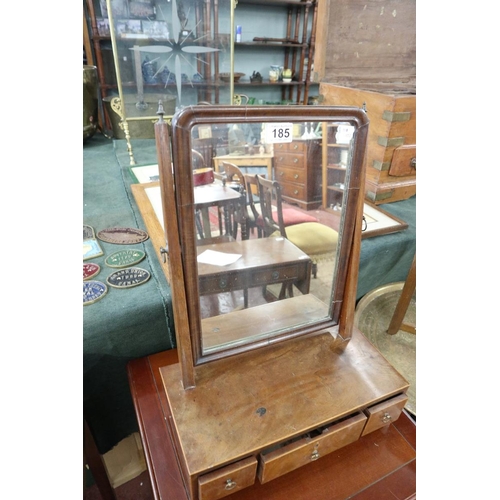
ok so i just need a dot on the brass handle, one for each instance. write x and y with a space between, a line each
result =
295 192
230 484
296 176
314 455
281 158
295 160
413 163
282 174
295 146
386 418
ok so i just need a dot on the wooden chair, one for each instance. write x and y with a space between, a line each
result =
253 204
313 238
239 216
198 161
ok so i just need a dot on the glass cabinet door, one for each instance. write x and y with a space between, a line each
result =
176 51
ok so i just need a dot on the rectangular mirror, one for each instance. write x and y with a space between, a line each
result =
266 203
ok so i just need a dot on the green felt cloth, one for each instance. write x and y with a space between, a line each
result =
127 323
387 258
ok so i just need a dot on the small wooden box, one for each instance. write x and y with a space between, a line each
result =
391 151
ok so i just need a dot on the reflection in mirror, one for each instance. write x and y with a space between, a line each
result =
268 205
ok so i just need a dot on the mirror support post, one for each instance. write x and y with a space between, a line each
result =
169 207
346 321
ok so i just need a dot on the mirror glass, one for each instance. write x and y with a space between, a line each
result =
267 210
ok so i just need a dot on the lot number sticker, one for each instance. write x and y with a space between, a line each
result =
278 132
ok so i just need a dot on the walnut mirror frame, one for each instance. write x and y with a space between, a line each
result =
176 167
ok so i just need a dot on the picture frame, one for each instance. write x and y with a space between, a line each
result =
377 221
120 8
142 9
134 26
145 174
155 29
205 132
103 28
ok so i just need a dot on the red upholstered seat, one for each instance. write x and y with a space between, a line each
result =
291 217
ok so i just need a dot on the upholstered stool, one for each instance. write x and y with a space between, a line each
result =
315 239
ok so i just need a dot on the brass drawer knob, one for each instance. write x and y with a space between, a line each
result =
295 192
386 418
314 455
295 146
230 484
282 174
295 160
296 176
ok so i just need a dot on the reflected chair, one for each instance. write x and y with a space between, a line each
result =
198 161
253 204
313 238
235 179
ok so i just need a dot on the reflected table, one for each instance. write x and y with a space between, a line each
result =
263 262
214 195
247 160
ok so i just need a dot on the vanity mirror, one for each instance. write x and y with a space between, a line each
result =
272 373
242 291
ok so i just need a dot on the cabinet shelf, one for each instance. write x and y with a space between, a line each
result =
266 83
275 45
336 167
294 42
335 157
285 3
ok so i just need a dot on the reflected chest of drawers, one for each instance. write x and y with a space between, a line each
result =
297 167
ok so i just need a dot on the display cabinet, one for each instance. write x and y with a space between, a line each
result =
290 45
265 384
336 147
173 51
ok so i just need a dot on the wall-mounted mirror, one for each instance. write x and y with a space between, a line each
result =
266 201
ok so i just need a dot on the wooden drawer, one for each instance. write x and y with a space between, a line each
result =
223 482
278 275
306 450
289 160
223 282
384 413
404 161
293 147
290 175
293 191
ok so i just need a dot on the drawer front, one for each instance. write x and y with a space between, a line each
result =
223 482
304 451
224 282
289 160
294 147
290 175
384 413
274 275
293 191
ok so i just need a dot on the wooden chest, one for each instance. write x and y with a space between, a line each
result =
391 151
297 168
